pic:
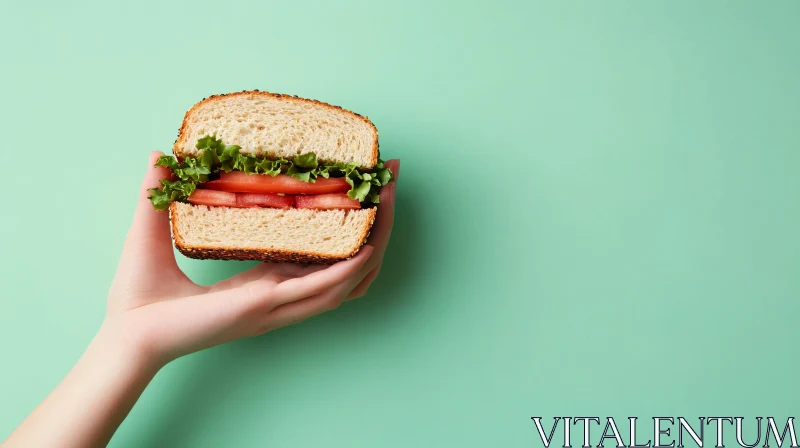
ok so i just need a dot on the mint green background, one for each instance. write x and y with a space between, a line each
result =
598 212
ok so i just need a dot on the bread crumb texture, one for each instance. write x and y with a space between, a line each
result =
272 125
269 234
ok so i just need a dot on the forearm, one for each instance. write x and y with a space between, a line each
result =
93 400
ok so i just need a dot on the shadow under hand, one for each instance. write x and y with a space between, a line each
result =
261 373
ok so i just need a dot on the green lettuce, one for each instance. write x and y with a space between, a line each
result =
218 157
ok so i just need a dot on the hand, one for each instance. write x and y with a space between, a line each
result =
155 308
156 314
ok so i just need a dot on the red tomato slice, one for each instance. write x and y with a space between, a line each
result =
327 202
214 198
239 182
264 200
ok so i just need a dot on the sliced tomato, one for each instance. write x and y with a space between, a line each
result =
326 202
215 198
263 200
239 182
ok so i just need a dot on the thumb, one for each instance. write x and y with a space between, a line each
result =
149 239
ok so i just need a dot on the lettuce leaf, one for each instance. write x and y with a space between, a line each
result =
218 157
171 191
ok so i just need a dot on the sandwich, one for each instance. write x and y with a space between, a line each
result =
271 177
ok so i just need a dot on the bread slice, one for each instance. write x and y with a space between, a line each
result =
269 234
274 125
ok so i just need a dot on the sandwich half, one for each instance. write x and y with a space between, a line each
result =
270 177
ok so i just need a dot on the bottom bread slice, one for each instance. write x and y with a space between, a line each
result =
269 234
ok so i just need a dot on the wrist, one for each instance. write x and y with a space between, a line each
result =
113 343
104 385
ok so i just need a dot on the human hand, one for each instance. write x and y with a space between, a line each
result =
156 309
156 314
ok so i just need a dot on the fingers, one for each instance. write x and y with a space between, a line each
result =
295 312
263 302
241 310
276 272
271 285
320 281
381 232
382 229
149 235
192 323
363 287
394 167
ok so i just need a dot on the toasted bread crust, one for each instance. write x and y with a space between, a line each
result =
266 255
181 139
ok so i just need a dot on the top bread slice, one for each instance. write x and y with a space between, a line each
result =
274 125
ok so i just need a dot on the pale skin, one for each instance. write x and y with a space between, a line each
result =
156 314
